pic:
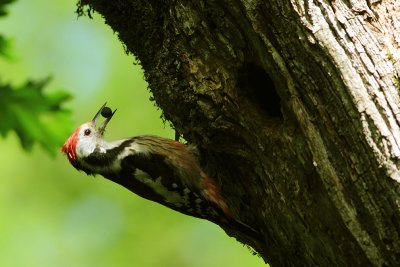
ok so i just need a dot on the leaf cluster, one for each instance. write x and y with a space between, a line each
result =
35 116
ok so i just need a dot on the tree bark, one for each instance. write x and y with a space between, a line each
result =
294 106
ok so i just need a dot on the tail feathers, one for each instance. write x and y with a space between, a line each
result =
246 230
212 193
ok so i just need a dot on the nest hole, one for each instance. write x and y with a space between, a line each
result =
259 88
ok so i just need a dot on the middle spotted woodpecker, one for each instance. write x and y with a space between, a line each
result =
156 168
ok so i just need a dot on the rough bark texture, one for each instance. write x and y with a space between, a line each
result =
294 105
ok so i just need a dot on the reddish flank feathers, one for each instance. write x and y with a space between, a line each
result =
212 192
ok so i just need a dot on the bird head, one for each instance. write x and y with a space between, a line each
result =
86 138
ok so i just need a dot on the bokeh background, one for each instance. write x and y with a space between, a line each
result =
52 215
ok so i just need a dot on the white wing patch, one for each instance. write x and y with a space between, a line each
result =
172 197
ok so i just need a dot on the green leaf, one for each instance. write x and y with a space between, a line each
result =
35 116
4 47
3 4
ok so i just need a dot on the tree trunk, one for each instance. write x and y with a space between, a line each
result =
294 106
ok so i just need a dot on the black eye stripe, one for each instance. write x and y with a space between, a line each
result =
87 132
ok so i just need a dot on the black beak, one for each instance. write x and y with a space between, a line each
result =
102 127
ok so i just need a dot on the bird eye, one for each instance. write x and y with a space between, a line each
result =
87 132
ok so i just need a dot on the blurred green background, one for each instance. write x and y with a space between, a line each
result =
52 215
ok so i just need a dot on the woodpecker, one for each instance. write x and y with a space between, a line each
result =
155 168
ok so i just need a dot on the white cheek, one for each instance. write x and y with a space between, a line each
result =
85 147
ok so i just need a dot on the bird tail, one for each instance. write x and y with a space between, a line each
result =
246 230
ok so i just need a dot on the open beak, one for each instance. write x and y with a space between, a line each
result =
102 127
